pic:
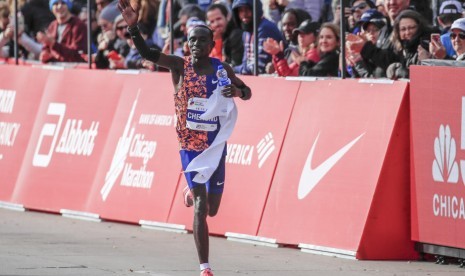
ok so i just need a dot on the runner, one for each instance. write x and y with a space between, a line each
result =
202 138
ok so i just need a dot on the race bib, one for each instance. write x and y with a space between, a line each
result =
195 108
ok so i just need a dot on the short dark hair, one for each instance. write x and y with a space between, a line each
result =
219 6
203 27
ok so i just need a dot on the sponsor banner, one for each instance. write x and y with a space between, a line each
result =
139 170
326 188
438 155
252 153
67 139
21 90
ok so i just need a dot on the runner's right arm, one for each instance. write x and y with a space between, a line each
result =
174 63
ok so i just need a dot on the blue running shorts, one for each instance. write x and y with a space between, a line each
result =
215 185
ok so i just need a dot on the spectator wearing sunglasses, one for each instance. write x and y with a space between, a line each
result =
457 36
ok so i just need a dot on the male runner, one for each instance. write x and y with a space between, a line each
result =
194 79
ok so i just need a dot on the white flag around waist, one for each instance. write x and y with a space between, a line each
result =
206 163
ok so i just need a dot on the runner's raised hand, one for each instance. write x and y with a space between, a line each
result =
129 14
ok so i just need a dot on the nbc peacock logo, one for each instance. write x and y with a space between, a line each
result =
445 167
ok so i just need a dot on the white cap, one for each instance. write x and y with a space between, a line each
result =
451 7
459 24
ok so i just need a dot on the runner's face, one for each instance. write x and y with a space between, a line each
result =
200 42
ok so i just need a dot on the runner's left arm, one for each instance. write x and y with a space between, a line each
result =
237 88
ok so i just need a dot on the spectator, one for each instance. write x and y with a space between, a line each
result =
66 37
227 36
26 43
382 54
448 13
292 18
370 24
242 11
106 18
410 31
357 8
306 50
113 46
328 49
457 36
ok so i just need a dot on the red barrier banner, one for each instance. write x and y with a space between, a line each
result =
21 90
253 151
438 155
342 178
139 169
67 139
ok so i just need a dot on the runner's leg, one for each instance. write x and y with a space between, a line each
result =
200 227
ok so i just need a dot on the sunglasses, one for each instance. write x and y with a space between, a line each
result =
454 35
360 6
121 28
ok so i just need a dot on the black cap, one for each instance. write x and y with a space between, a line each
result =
307 27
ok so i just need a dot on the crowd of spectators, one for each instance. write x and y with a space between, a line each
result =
295 37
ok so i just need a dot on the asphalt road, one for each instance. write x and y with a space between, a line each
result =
36 243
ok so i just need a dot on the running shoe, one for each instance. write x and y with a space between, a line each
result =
206 272
187 196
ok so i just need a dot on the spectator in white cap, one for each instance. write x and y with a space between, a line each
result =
449 11
457 36
66 37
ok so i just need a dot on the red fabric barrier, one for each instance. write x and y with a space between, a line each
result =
342 177
438 156
21 90
253 151
67 140
139 170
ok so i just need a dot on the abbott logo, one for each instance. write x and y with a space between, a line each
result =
74 139
310 177
445 150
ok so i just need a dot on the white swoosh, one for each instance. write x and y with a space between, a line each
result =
214 81
310 177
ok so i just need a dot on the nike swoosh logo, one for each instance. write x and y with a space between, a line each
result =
310 177
214 81
219 183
